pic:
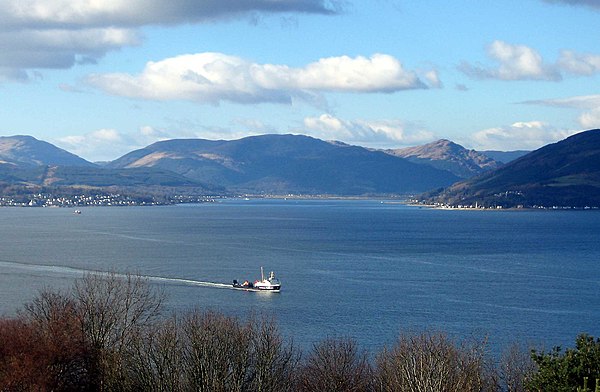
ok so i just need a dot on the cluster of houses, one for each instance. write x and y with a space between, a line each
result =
91 200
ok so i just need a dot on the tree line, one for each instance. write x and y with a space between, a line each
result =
110 333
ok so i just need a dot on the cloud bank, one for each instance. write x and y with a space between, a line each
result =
516 62
108 144
588 3
39 34
64 14
216 77
584 64
529 135
588 104
520 62
376 134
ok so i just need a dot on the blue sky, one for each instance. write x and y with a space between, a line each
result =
101 78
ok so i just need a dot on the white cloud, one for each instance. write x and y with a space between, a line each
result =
376 134
589 104
578 102
215 77
519 136
101 144
520 62
516 62
109 144
590 119
39 34
433 78
60 48
579 63
137 13
589 3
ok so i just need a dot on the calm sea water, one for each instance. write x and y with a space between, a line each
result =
364 269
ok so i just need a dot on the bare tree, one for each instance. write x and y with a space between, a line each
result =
216 353
273 361
56 342
112 310
433 363
516 366
335 365
154 360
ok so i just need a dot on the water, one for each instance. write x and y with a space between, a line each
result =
359 268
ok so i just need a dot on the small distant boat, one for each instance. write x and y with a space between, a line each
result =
269 284
77 212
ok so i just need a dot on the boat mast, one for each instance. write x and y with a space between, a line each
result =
262 275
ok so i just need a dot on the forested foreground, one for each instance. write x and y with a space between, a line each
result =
110 334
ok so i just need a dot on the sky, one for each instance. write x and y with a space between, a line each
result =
101 78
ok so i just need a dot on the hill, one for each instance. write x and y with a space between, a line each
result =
27 150
563 174
282 164
446 155
28 165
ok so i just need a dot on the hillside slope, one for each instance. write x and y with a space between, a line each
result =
563 174
28 162
446 155
31 151
287 164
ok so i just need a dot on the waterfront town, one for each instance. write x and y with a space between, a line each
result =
97 200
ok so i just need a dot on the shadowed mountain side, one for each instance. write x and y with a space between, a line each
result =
80 176
287 164
98 177
563 174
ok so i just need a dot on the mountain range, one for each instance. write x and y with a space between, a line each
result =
562 174
268 164
283 164
565 172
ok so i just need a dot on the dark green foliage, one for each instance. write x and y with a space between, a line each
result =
565 371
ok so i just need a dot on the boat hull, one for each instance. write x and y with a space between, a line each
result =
270 288
263 289
271 284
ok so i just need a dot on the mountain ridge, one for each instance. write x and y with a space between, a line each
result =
24 149
287 164
447 155
562 172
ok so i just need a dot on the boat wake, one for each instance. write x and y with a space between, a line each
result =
78 272
187 282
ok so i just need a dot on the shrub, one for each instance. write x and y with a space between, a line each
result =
435 363
566 371
335 365
515 368
112 311
42 349
273 361
216 352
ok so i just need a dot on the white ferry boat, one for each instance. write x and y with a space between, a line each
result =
269 284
